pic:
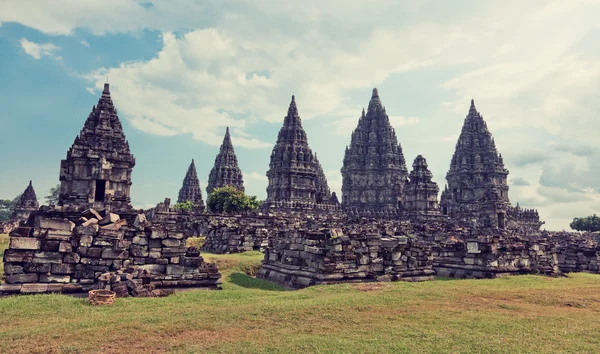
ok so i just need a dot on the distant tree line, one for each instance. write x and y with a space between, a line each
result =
588 223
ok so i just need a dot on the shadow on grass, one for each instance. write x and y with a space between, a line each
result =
246 281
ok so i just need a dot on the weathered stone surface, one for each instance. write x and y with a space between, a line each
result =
104 178
55 224
25 243
374 169
190 190
294 172
225 171
54 279
110 218
22 278
420 195
34 288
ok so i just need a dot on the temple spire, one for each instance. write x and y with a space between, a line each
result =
225 171
190 188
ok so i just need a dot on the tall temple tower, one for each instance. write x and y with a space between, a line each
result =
27 204
294 173
421 193
225 172
190 189
477 191
97 170
374 171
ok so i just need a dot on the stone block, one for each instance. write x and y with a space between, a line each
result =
55 224
71 258
94 252
37 267
173 269
154 268
55 287
21 232
22 278
10 268
59 235
91 213
25 243
50 245
62 268
10 288
108 253
18 256
86 241
169 242
110 218
47 257
34 288
140 240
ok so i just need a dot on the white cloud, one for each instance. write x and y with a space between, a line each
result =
91 90
39 50
85 43
532 67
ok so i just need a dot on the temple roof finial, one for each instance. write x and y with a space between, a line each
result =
375 93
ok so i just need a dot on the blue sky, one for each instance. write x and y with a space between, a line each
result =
181 73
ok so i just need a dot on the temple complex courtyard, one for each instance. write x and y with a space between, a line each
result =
506 315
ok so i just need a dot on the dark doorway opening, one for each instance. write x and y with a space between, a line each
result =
501 221
100 190
445 210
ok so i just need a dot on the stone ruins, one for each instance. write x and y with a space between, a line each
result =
94 238
97 171
190 189
295 173
27 204
374 172
225 171
390 225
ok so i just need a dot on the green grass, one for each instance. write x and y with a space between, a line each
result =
508 315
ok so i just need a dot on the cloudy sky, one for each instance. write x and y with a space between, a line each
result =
180 72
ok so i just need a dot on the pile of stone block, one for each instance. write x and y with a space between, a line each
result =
493 256
59 255
302 258
132 281
577 252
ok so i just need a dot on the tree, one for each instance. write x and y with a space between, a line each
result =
185 206
52 198
229 199
7 207
588 223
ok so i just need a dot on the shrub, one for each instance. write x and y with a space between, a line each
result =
588 223
185 206
229 199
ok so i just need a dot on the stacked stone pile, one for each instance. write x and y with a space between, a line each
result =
492 256
301 258
577 252
132 281
59 255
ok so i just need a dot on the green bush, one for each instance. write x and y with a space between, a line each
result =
229 199
185 206
589 223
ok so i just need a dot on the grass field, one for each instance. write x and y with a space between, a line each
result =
509 315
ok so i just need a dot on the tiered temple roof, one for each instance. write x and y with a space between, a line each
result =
26 204
477 190
97 170
420 192
294 171
190 190
225 172
374 171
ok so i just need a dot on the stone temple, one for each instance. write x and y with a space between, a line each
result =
420 192
294 172
97 171
190 189
374 171
477 190
26 205
225 172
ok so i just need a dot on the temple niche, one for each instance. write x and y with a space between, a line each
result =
26 205
420 196
477 189
225 171
296 179
190 189
374 171
97 171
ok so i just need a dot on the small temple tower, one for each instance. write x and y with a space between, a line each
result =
295 176
97 171
190 189
27 204
477 191
420 193
225 172
374 170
